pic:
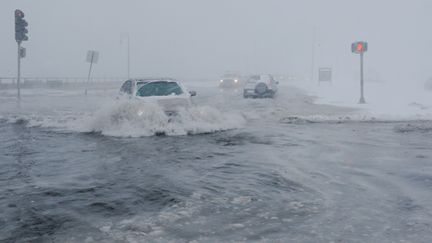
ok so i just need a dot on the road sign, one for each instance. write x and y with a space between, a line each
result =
325 74
92 57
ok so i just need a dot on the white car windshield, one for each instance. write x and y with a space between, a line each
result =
230 76
160 88
139 84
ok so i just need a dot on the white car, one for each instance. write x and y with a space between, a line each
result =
260 86
168 93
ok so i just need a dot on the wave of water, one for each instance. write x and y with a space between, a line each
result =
136 119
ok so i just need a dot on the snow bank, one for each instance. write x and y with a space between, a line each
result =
385 101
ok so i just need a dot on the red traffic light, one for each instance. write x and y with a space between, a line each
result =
359 47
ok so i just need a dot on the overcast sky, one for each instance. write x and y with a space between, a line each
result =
204 38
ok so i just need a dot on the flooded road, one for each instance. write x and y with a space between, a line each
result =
283 170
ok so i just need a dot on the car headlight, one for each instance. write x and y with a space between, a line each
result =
235 80
221 81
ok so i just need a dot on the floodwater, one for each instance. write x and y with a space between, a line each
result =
91 169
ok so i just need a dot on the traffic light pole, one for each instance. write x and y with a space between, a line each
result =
360 47
20 36
19 72
362 99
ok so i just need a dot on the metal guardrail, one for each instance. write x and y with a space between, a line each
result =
57 82
64 79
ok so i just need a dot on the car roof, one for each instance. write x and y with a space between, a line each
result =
155 79
259 76
148 80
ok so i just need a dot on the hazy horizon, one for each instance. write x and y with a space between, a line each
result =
195 38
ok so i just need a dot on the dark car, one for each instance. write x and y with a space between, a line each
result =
230 81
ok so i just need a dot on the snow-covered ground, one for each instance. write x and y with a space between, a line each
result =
384 101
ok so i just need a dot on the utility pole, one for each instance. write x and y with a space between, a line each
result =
20 36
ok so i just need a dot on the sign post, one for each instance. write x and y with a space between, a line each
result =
360 47
92 57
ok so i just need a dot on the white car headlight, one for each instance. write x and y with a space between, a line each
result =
236 80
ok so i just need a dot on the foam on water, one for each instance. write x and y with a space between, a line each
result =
349 118
136 119
216 112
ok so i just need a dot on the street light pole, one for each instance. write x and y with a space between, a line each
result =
128 56
313 53
122 37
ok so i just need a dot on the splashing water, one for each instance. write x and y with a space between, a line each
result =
137 119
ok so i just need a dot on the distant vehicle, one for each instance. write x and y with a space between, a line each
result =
170 94
230 81
260 86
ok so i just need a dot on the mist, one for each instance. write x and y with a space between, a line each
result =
225 131
195 38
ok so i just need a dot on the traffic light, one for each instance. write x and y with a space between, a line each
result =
23 52
359 47
20 27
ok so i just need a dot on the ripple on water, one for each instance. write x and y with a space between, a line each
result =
243 138
33 223
421 180
275 181
216 218
422 127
